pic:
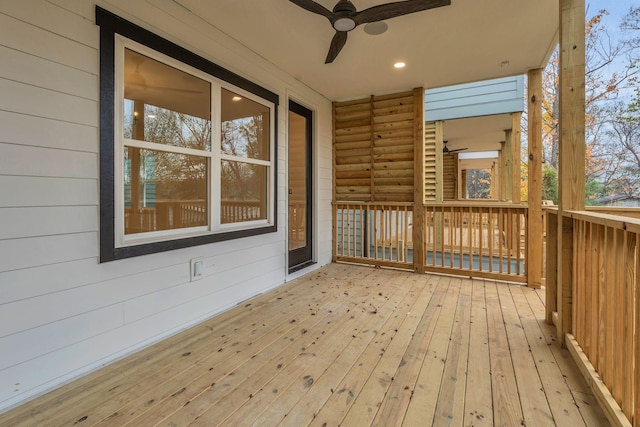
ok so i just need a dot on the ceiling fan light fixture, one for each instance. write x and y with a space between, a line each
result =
344 24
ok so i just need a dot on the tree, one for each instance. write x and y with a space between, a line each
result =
478 184
601 85
549 184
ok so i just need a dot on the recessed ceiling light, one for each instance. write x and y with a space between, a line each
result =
399 65
236 98
376 28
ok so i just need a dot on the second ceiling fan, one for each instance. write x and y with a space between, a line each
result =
344 17
446 150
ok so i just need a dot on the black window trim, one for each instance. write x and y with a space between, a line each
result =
110 25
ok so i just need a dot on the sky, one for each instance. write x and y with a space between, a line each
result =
616 8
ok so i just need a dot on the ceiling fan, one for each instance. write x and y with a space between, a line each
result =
446 150
345 17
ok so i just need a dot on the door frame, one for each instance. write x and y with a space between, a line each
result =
303 257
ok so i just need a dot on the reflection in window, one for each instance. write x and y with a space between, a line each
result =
245 127
165 105
163 191
243 191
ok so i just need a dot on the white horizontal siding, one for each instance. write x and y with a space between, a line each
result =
25 68
24 160
67 313
21 191
35 251
35 342
24 129
47 221
497 96
46 44
18 97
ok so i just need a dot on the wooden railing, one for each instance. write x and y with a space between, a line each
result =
241 210
482 240
166 216
604 306
465 239
606 302
374 233
187 213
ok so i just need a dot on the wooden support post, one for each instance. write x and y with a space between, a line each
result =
439 181
508 165
535 229
461 183
502 172
516 134
334 255
494 179
418 181
439 161
571 174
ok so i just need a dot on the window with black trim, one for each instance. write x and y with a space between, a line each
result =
188 149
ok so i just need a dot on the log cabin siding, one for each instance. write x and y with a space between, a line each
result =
63 313
374 148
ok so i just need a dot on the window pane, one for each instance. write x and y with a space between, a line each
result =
165 105
163 191
244 192
245 127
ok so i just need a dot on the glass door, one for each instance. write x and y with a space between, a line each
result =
300 186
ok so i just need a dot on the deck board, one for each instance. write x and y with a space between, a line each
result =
345 345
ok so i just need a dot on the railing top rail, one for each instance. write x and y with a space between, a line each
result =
456 204
373 204
611 209
614 221
483 204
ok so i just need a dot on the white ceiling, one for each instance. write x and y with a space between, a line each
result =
464 42
477 133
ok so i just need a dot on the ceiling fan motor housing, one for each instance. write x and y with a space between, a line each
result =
344 7
343 11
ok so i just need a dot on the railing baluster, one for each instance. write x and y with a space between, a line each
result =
450 228
490 237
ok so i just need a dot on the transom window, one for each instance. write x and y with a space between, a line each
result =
193 147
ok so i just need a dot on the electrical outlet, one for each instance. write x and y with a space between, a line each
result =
197 268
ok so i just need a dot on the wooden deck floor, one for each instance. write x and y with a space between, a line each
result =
346 345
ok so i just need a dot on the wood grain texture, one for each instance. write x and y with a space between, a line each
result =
345 343
374 145
534 179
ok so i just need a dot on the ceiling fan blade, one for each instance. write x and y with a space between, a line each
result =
456 150
314 7
398 8
337 43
